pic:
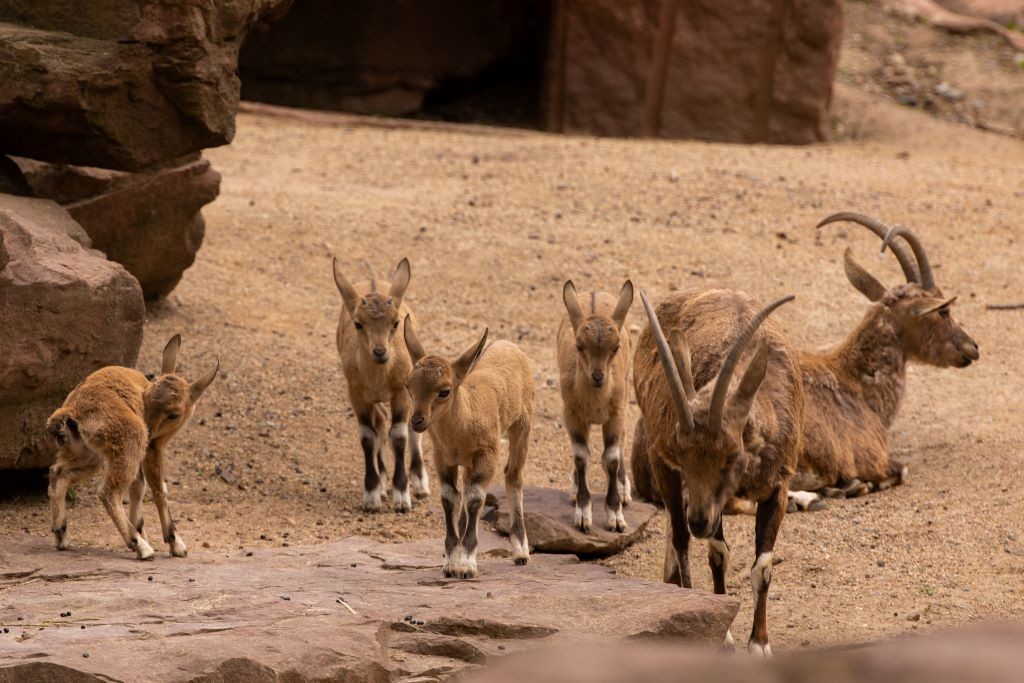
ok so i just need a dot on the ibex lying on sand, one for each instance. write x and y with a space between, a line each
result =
467 405
855 389
119 420
376 363
710 440
593 364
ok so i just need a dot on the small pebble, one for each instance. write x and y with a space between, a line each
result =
86 655
501 647
248 553
285 597
408 617
916 616
150 578
83 627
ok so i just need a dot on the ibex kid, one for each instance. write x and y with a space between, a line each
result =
593 364
466 405
118 420
376 363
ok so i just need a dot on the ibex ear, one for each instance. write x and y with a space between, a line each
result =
937 307
348 294
170 359
412 343
743 400
196 389
466 362
625 301
681 353
865 282
572 305
400 281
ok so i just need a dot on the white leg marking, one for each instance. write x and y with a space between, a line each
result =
469 564
573 486
583 517
420 485
367 433
616 520
178 547
402 500
372 499
761 573
729 642
164 484
520 551
627 492
803 499
144 549
721 549
399 431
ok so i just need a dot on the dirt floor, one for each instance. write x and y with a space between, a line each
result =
493 221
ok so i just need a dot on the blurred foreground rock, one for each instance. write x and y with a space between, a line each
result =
122 84
65 311
985 654
148 222
353 610
550 528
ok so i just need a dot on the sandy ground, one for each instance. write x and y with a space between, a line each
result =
493 221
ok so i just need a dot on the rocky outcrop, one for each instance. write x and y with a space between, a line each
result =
124 84
148 222
352 610
738 70
65 311
549 522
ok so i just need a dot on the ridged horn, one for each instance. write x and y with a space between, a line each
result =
675 385
906 259
927 277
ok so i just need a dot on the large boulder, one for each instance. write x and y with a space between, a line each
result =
122 83
65 311
738 70
149 222
353 610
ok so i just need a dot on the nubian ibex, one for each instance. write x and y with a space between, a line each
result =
376 363
593 364
710 438
855 389
467 405
118 420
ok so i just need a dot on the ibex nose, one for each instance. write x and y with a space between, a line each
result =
419 422
597 377
971 351
380 354
700 526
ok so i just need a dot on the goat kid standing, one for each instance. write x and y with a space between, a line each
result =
709 441
593 364
467 405
376 362
119 420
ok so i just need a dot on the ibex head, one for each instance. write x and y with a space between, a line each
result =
597 336
920 311
434 381
709 431
170 399
375 315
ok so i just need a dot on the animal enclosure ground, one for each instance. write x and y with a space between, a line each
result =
493 222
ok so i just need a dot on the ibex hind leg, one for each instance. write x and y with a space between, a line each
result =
519 442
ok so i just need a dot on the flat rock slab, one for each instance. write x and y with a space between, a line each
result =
335 612
549 522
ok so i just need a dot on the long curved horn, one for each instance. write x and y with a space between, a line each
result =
717 410
880 229
927 277
675 385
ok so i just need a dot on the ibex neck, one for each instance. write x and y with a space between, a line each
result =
873 356
457 416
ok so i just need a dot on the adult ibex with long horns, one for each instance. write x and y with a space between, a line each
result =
710 438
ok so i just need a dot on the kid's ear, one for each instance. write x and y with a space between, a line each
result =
348 294
466 362
170 359
622 307
399 282
412 343
572 304
196 389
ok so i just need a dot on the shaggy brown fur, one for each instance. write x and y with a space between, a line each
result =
376 362
754 452
593 363
466 405
119 420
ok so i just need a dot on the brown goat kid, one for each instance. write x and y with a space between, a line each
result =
376 363
119 420
466 405
593 364
712 440
855 389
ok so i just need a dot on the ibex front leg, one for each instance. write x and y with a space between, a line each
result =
451 502
153 467
769 518
583 515
612 460
368 439
399 434
718 559
477 480
677 540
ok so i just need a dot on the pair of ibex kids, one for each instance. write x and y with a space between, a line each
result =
732 416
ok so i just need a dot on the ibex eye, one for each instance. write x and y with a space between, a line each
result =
616 349
173 416
394 325
359 326
444 393
944 312
579 348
